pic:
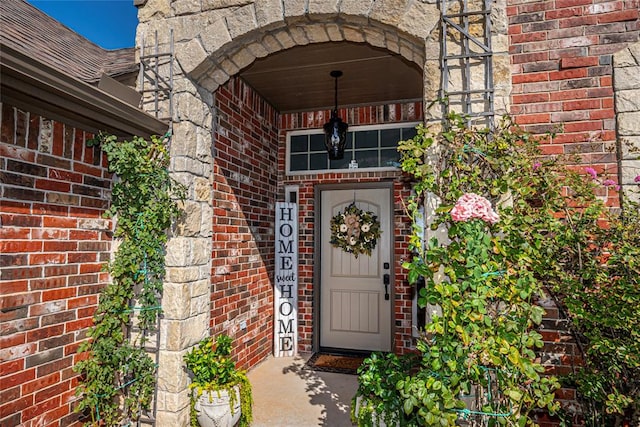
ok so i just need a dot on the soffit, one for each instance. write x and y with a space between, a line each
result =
298 79
34 86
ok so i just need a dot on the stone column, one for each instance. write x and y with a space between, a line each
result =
186 299
501 58
186 296
626 86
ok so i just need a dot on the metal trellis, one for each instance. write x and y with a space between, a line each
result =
467 53
156 88
153 79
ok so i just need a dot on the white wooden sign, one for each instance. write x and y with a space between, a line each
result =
285 322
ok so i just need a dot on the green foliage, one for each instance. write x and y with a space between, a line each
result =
478 351
213 370
598 285
117 376
379 398
483 280
212 364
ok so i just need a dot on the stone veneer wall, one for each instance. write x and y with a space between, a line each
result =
626 86
215 40
244 194
393 113
187 288
53 243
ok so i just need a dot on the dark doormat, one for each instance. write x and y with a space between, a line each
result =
339 363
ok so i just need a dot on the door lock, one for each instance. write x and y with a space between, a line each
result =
386 280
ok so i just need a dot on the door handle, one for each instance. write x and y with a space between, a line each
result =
386 280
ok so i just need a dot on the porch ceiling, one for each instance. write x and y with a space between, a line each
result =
298 79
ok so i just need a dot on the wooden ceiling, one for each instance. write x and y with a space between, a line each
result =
298 79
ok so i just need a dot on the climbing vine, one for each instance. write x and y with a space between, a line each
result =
550 237
478 359
117 376
595 278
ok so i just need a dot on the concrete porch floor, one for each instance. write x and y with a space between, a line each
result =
286 394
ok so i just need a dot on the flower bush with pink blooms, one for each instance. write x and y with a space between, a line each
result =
502 235
470 206
480 283
609 183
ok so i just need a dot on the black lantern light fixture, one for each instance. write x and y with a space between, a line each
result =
335 130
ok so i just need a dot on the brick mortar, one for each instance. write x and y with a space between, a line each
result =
52 248
562 66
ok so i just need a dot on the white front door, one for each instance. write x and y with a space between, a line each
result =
355 310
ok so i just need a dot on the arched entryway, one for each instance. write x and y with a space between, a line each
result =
229 149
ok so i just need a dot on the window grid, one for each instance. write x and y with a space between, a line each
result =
373 147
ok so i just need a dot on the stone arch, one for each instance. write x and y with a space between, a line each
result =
221 64
228 45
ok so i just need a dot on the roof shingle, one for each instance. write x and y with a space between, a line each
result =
34 33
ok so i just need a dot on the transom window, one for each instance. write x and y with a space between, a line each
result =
368 147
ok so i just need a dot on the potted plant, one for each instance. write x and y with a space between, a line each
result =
221 394
377 401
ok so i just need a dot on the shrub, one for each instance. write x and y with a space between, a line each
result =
484 274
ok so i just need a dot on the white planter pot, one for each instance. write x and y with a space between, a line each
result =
214 409
377 420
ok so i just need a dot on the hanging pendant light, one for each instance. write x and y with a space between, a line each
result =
335 130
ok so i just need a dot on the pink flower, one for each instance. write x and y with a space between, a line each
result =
636 179
461 212
592 172
536 166
611 183
470 206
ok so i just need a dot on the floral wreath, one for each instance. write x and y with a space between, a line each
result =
355 231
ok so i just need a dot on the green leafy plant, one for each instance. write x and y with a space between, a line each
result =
377 398
117 376
483 278
214 370
596 280
478 350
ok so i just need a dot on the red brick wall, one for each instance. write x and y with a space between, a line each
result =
561 55
394 113
244 193
561 64
53 243
560 355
